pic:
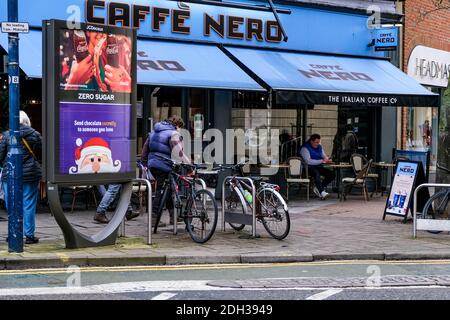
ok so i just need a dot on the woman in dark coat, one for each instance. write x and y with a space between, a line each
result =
31 143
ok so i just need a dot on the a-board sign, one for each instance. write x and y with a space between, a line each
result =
408 176
90 94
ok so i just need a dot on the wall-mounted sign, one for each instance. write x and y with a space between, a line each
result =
15 27
90 129
430 66
386 39
309 29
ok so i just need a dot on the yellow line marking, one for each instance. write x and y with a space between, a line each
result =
223 266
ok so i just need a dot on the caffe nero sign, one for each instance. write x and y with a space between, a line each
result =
225 26
430 66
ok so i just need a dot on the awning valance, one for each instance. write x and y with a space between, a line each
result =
322 79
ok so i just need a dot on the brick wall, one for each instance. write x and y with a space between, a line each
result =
430 30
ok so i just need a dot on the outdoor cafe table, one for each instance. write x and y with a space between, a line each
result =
337 167
383 169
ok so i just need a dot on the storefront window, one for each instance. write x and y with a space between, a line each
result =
166 102
422 132
198 112
443 160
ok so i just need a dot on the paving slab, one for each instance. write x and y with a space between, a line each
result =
320 231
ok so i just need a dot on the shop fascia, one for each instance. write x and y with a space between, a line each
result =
226 26
430 66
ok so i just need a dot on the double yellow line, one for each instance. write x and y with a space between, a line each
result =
220 266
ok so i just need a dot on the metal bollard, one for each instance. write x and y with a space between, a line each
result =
149 208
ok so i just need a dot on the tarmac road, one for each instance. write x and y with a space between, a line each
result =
343 280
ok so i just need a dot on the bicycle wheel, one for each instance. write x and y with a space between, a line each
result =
201 218
235 203
272 213
437 207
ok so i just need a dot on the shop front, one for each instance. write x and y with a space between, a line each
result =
427 128
229 66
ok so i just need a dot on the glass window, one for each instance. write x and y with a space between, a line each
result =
198 112
444 133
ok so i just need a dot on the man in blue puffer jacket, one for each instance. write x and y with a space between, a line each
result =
166 142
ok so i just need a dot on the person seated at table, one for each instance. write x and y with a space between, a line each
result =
313 154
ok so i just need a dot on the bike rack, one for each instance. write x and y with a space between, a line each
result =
149 210
198 181
229 178
428 224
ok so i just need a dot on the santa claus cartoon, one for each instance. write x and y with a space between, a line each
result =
94 156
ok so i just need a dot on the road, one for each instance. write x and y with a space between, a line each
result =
345 280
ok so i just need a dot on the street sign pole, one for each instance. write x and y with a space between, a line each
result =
14 162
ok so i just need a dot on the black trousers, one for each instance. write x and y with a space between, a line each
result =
316 171
160 177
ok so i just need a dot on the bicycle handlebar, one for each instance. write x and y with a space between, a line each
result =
181 164
222 167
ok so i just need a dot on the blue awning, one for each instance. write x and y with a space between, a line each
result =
30 52
159 63
189 65
322 79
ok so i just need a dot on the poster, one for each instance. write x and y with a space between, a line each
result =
402 188
95 61
94 139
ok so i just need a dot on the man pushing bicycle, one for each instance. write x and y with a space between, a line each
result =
164 141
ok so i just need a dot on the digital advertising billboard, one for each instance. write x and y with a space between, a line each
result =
90 126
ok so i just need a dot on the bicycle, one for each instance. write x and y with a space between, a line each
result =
200 212
271 208
437 207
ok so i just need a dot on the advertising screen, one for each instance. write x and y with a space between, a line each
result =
94 109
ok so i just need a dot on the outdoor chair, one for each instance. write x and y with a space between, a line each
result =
358 181
358 162
76 190
297 173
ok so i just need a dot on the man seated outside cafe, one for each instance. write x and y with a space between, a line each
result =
313 154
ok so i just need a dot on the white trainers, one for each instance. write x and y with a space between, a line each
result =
316 192
324 195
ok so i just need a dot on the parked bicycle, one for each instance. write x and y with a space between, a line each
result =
197 208
438 206
271 209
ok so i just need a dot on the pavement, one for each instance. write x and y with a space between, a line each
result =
320 230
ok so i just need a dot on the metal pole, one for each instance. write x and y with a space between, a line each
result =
14 162
254 209
223 202
149 207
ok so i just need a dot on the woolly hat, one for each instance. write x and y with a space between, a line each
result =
92 146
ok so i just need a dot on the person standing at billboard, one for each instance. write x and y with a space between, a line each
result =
108 197
31 142
164 142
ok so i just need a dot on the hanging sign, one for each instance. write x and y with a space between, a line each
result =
386 39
